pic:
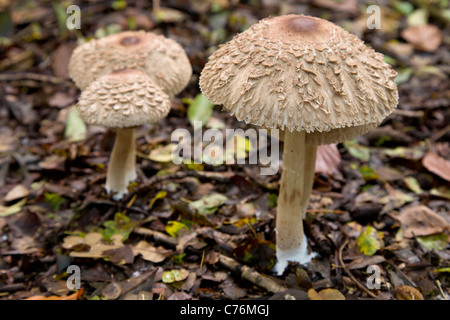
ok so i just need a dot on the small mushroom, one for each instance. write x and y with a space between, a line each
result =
314 81
161 58
122 100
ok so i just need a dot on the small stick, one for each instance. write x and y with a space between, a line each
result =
325 211
32 76
347 271
440 289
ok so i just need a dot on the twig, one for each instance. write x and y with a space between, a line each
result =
408 113
325 211
440 290
251 275
347 271
439 134
246 272
24 76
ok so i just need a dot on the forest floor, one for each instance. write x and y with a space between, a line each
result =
380 207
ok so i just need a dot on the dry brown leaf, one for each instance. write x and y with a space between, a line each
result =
325 294
437 165
19 191
75 296
407 293
94 241
420 221
150 253
424 37
328 158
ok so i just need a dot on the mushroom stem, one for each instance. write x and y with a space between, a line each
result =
291 243
121 168
310 165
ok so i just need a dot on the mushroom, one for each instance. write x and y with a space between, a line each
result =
161 58
122 100
315 82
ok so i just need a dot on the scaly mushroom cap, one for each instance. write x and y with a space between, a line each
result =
123 99
162 59
299 73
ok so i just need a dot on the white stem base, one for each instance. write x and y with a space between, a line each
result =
299 255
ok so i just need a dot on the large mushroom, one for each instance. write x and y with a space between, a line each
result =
122 100
161 58
314 81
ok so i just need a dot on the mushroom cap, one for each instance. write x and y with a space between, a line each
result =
297 73
123 99
161 58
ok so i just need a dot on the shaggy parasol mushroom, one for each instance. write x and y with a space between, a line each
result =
313 80
161 58
122 100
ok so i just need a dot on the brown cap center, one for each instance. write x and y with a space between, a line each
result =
129 41
299 28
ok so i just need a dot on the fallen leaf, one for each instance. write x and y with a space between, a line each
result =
325 294
437 165
19 191
75 296
370 241
424 37
75 127
357 151
434 241
175 275
150 253
15 208
161 153
200 110
173 227
407 293
96 246
328 159
420 221
208 204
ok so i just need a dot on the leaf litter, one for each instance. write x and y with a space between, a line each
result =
380 200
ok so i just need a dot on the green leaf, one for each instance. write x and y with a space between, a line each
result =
173 227
368 173
403 75
160 154
160 195
441 191
54 199
418 17
174 275
369 241
208 204
61 17
357 151
15 208
446 269
272 200
200 110
413 184
75 127
120 225
435 241
403 7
